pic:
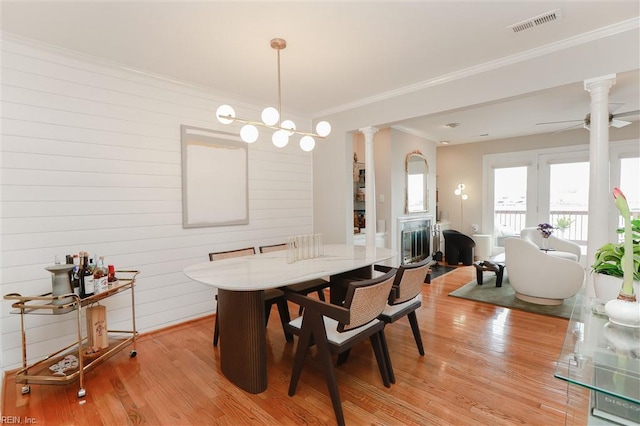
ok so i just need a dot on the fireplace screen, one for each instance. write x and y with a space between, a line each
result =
415 240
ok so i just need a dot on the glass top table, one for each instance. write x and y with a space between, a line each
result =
600 355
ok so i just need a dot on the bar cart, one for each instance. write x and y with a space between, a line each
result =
42 372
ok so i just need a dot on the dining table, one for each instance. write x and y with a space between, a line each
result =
241 281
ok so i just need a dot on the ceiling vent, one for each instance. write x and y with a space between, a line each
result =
536 21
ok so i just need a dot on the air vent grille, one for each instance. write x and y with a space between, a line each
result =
536 21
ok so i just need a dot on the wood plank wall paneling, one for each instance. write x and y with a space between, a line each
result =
91 161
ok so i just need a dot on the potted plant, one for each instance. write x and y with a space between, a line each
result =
609 256
564 223
608 266
623 310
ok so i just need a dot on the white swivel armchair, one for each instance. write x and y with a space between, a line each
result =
537 277
559 247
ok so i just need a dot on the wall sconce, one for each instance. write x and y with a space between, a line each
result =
460 192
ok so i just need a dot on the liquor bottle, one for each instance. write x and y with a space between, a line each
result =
75 278
86 277
100 277
112 280
69 261
80 274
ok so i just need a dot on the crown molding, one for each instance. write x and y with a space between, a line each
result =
618 28
204 92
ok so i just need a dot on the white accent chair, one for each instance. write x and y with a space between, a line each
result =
537 277
559 247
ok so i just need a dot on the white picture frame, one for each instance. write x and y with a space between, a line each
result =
214 178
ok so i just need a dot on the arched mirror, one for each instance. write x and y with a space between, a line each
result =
417 192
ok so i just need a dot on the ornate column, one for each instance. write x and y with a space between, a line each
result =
600 198
370 188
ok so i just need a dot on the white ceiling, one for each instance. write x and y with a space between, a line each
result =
339 54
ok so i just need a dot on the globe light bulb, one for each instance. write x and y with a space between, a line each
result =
224 111
249 133
288 124
457 191
323 128
465 196
270 116
307 143
280 138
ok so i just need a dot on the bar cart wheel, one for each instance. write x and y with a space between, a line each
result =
25 389
82 393
133 353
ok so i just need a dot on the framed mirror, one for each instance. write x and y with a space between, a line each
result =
417 192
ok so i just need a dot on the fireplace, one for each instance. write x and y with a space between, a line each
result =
415 239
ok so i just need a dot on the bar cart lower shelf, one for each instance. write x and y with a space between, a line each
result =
72 362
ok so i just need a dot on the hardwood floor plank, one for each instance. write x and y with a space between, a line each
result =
484 365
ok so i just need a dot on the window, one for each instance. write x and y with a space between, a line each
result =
525 188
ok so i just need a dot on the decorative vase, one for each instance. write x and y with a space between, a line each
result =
61 285
623 312
607 287
545 244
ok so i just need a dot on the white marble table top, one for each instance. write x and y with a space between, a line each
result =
271 270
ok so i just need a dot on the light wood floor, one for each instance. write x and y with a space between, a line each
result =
484 365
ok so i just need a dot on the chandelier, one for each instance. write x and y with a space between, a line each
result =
272 119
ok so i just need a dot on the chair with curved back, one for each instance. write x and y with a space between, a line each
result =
335 329
558 247
305 287
537 277
271 296
458 247
406 296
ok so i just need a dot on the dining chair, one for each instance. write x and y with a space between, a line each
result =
306 287
272 296
406 296
335 329
404 299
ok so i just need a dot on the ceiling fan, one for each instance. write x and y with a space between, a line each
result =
586 121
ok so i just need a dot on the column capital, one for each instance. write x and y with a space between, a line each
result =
370 130
602 81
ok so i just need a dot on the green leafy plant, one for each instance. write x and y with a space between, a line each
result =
564 223
609 256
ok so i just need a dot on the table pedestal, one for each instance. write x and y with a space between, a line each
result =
338 283
243 345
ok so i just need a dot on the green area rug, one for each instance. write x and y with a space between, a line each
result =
505 296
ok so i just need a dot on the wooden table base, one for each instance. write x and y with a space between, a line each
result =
243 345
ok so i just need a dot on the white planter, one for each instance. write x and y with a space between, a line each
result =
623 313
608 287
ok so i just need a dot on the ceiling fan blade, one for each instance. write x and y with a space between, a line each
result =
626 114
556 122
575 126
614 106
619 123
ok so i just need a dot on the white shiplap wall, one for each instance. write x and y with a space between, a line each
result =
90 160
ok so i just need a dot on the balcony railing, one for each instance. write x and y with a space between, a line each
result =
576 232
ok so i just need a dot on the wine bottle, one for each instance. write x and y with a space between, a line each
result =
75 277
86 277
80 274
